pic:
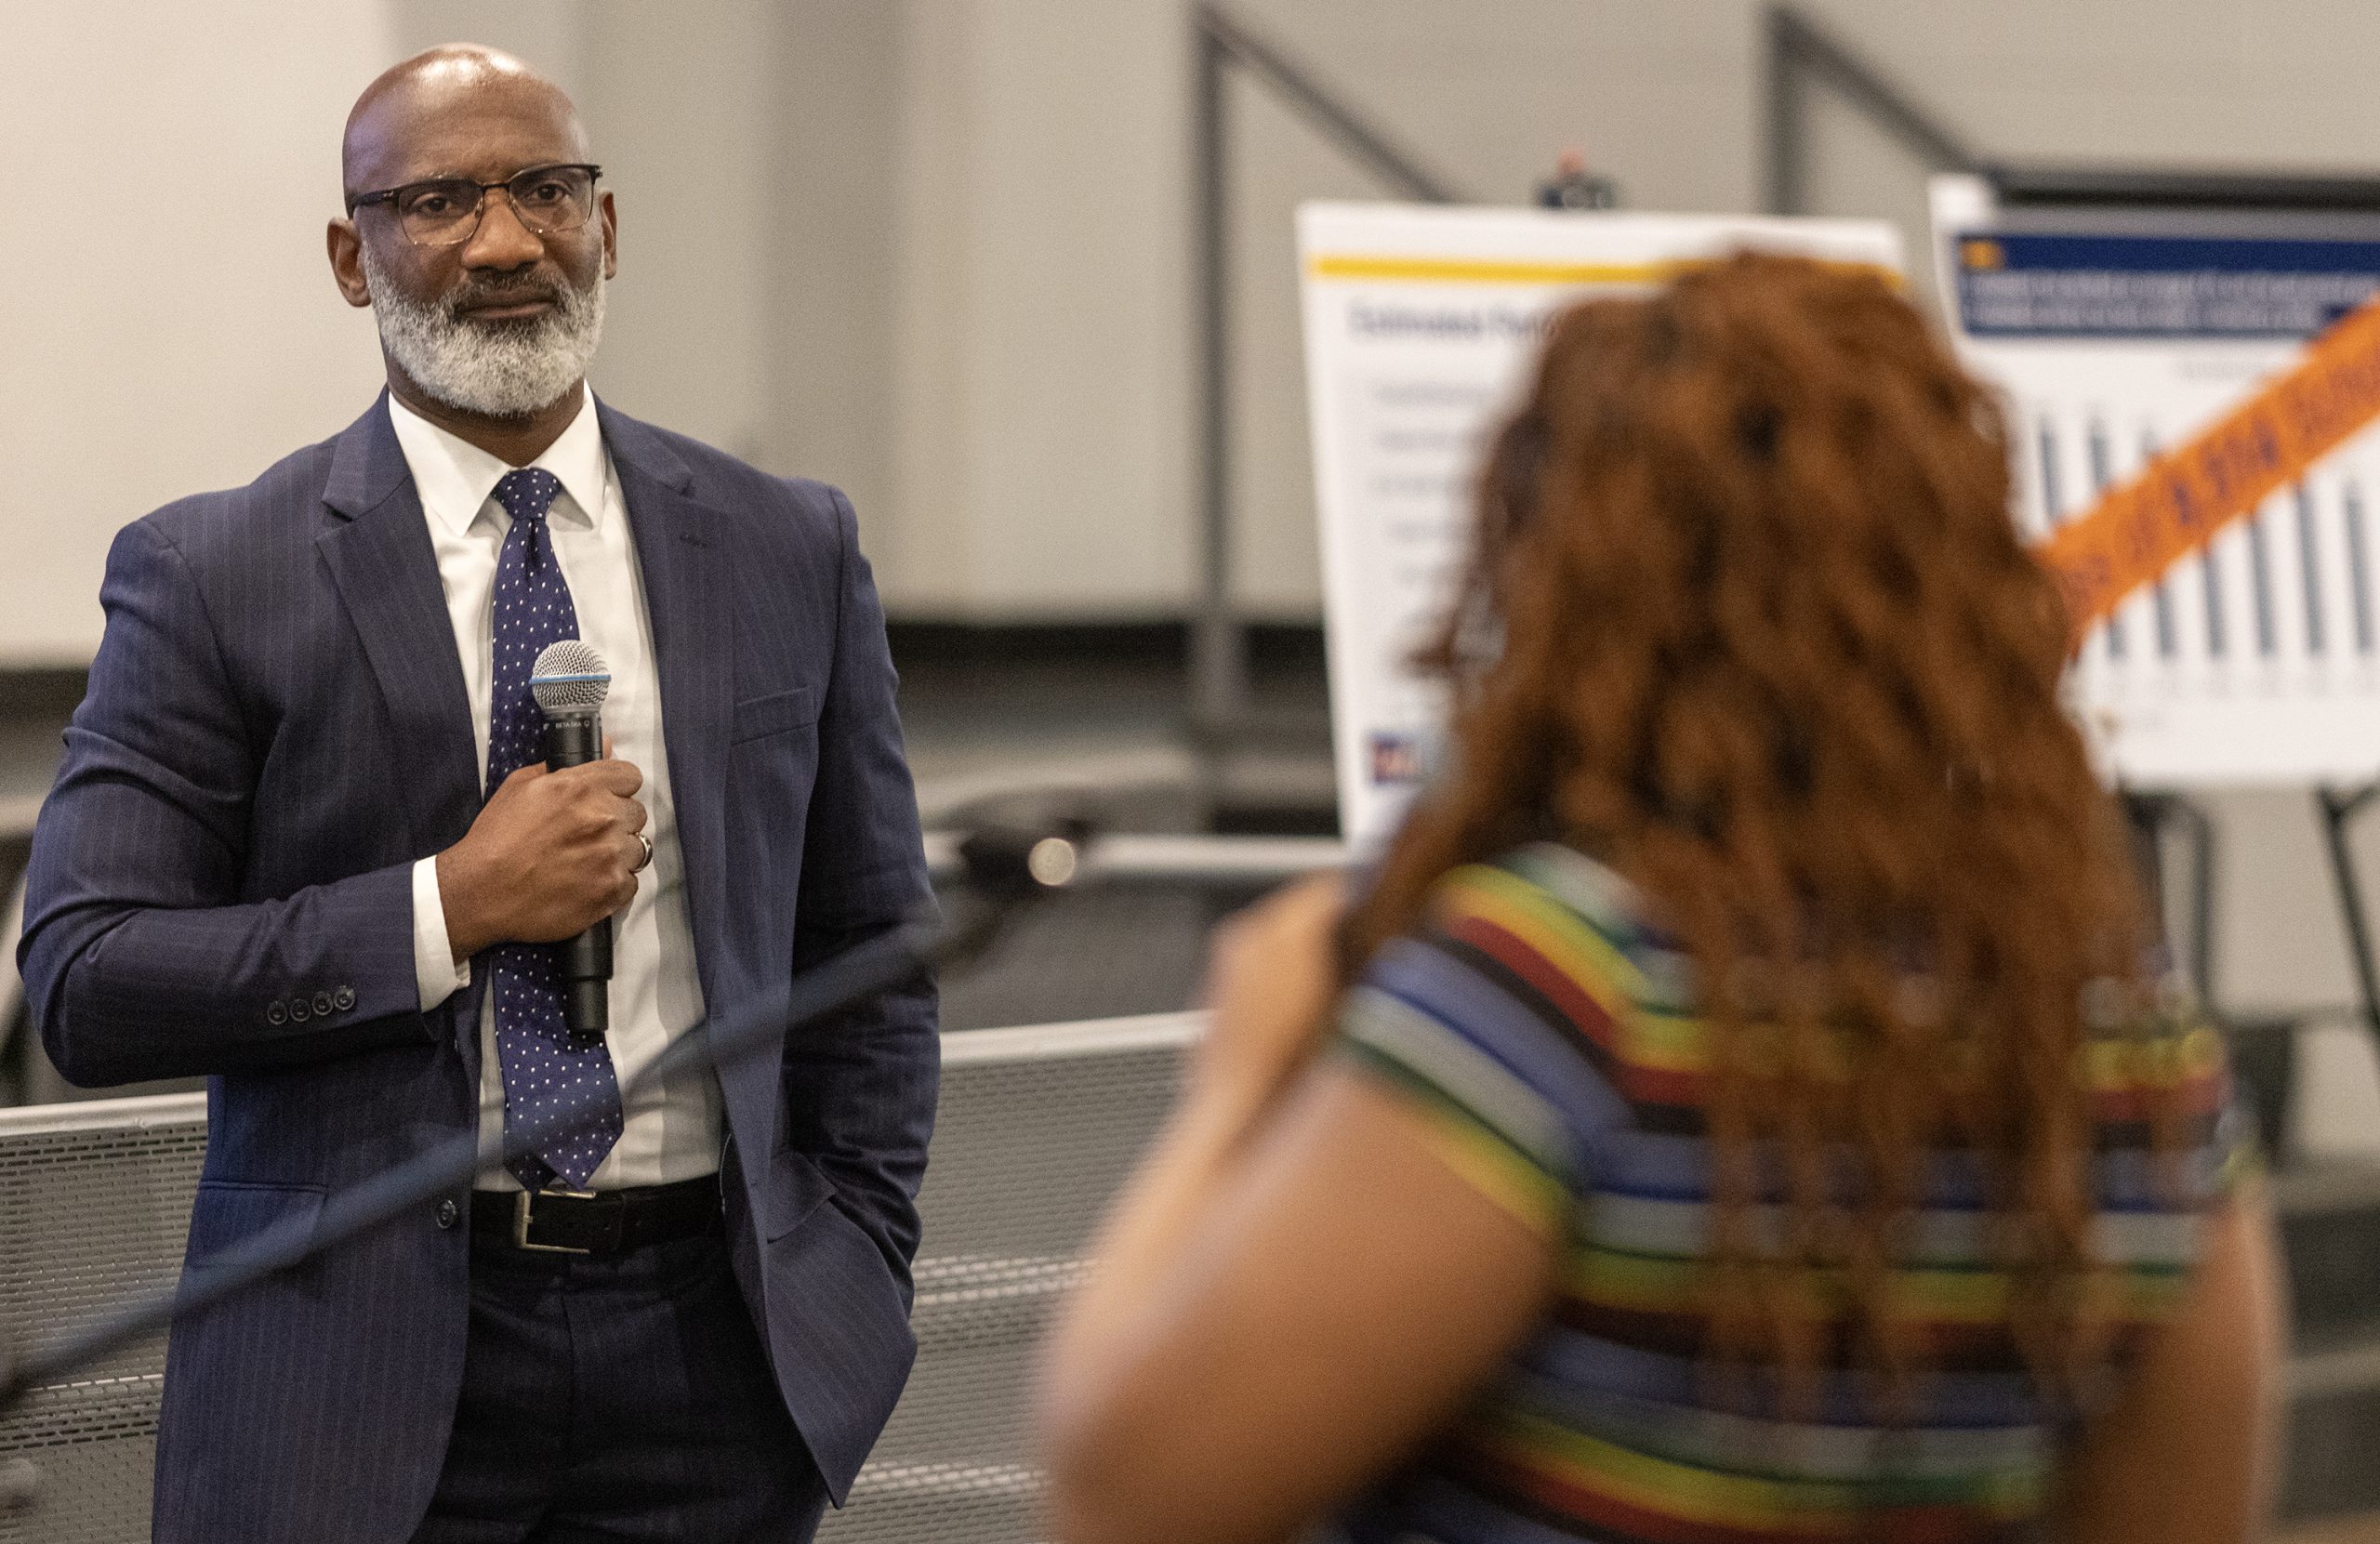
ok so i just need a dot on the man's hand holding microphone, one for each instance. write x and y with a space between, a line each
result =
552 854
555 853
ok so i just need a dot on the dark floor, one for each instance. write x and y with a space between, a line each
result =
1105 728
1095 719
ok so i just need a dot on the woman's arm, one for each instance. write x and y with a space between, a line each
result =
1295 1291
2185 1456
1330 1301
1271 982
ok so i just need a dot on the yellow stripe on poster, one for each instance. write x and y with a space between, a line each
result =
1471 270
1487 270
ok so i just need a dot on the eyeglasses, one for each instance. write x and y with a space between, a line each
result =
446 211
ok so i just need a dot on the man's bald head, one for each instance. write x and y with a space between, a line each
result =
475 230
435 115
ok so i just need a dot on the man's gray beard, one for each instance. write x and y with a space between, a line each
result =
501 370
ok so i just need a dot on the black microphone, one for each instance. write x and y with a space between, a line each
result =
570 683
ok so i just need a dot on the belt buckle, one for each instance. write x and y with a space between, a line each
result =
521 1204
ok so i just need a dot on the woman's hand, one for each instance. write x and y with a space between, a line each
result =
1272 981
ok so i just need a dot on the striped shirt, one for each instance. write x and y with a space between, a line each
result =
1546 1032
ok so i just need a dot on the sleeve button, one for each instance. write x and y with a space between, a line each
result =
299 1010
447 1213
344 998
322 1004
276 1014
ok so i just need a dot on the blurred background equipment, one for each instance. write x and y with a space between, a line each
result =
1574 186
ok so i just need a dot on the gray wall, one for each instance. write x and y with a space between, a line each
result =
935 250
166 320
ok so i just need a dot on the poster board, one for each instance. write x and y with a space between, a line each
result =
2116 332
1421 324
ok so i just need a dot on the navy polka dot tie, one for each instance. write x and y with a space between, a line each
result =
547 1069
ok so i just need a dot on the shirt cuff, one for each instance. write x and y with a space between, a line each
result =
434 969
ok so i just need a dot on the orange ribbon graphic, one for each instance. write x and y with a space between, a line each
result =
2175 505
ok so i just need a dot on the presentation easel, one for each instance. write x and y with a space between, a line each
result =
2123 315
1419 322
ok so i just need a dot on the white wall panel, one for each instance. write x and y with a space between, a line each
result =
167 321
1042 426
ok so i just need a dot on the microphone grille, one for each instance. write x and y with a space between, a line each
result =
568 677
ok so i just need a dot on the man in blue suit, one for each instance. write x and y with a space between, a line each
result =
302 844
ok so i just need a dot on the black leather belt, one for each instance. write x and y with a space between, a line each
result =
595 1223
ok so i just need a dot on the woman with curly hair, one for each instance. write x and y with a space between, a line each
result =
1743 1104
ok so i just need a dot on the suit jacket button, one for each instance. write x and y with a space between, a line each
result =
322 1004
344 998
276 1014
447 1213
301 1009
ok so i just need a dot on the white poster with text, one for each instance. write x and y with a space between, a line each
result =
1421 326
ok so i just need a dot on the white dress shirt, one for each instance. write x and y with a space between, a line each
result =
671 1131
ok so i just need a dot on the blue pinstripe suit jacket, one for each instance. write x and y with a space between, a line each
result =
277 729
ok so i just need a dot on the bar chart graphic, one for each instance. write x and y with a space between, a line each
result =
2256 659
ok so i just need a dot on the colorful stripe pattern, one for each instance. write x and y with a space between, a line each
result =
1548 1034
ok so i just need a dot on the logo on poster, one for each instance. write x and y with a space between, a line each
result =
1396 758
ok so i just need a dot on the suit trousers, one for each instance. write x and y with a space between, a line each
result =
618 1398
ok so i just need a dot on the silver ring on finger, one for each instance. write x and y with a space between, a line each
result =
645 862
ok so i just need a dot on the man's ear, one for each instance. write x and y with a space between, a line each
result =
611 236
345 249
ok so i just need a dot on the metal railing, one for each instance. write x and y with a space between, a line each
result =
1222 46
1799 54
1126 858
1038 1124
17 816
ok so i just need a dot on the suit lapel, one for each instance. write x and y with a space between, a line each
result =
680 547
377 546
378 551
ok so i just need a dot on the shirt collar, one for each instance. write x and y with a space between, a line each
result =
456 478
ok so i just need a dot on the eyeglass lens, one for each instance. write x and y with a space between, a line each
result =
546 199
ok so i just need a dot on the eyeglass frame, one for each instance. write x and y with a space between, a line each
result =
389 196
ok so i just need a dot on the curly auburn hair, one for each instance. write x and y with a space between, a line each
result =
1746 617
